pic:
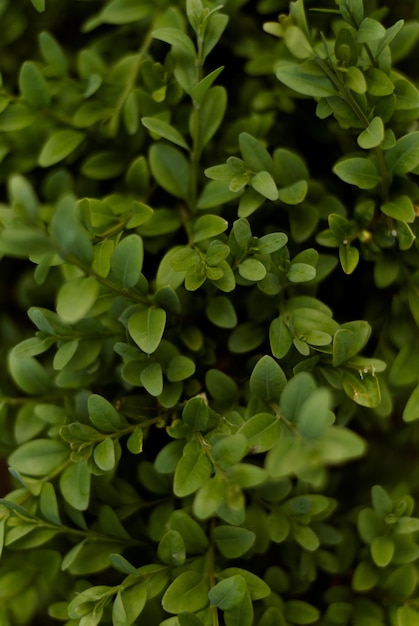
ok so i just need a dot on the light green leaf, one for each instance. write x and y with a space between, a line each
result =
255 156
49 504
59 146
349 340
301 273
363 388
349 257
127 261
28 374
280 338
188 592
263 183
306 78
373 135
175 38
196 413
39 457
211 114
165 130
382 550
171 549
208 226
104 455
39 5
220 311
400 208
228 593
252 269
75 485
147 327
76 297
358 171
314 415
404 156
180 367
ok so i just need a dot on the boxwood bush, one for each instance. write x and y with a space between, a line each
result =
210 310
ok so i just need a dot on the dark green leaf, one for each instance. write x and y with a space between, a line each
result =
228 593
170 169
188 592
233 541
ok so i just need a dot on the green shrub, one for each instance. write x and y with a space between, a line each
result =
210 417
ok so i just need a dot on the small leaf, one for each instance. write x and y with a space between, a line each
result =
33 86
233 541
39 457
147 327
404 156
104 454
220 311
171 549
127 261
252 269
400 209
262 432
306 78
165 130
171 169
301 273
152 379
411 410
208 226
228 593
301 612
267 379
102 414
358 171
382 550
59 146
76 297
175 38
373 135
188 592
349 257
75 485
193 469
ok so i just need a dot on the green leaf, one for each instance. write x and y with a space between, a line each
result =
349 257
59 146
180 367
193 469
233 541
175 38
363 388
135 441
306 78
104 455
263 183
373 135
76 297
188 592
33 86
152 379
102 414
228 593
201 88
400 208
147 327
370 30
378 83
196 413
211 114
301 273
301 612
314 416
339 445
382 550
297 43
280 338
230 450
349 340
39 5
208 226
357 171
214 30
49 504
53 54
171 169
262 432
171 549
407 616
75 485
220 311
255 156
252 269
411 410
267 379
165 130
246 337
39 457
72 240
28 374
127 261
404 156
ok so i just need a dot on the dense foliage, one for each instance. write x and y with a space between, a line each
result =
210 411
